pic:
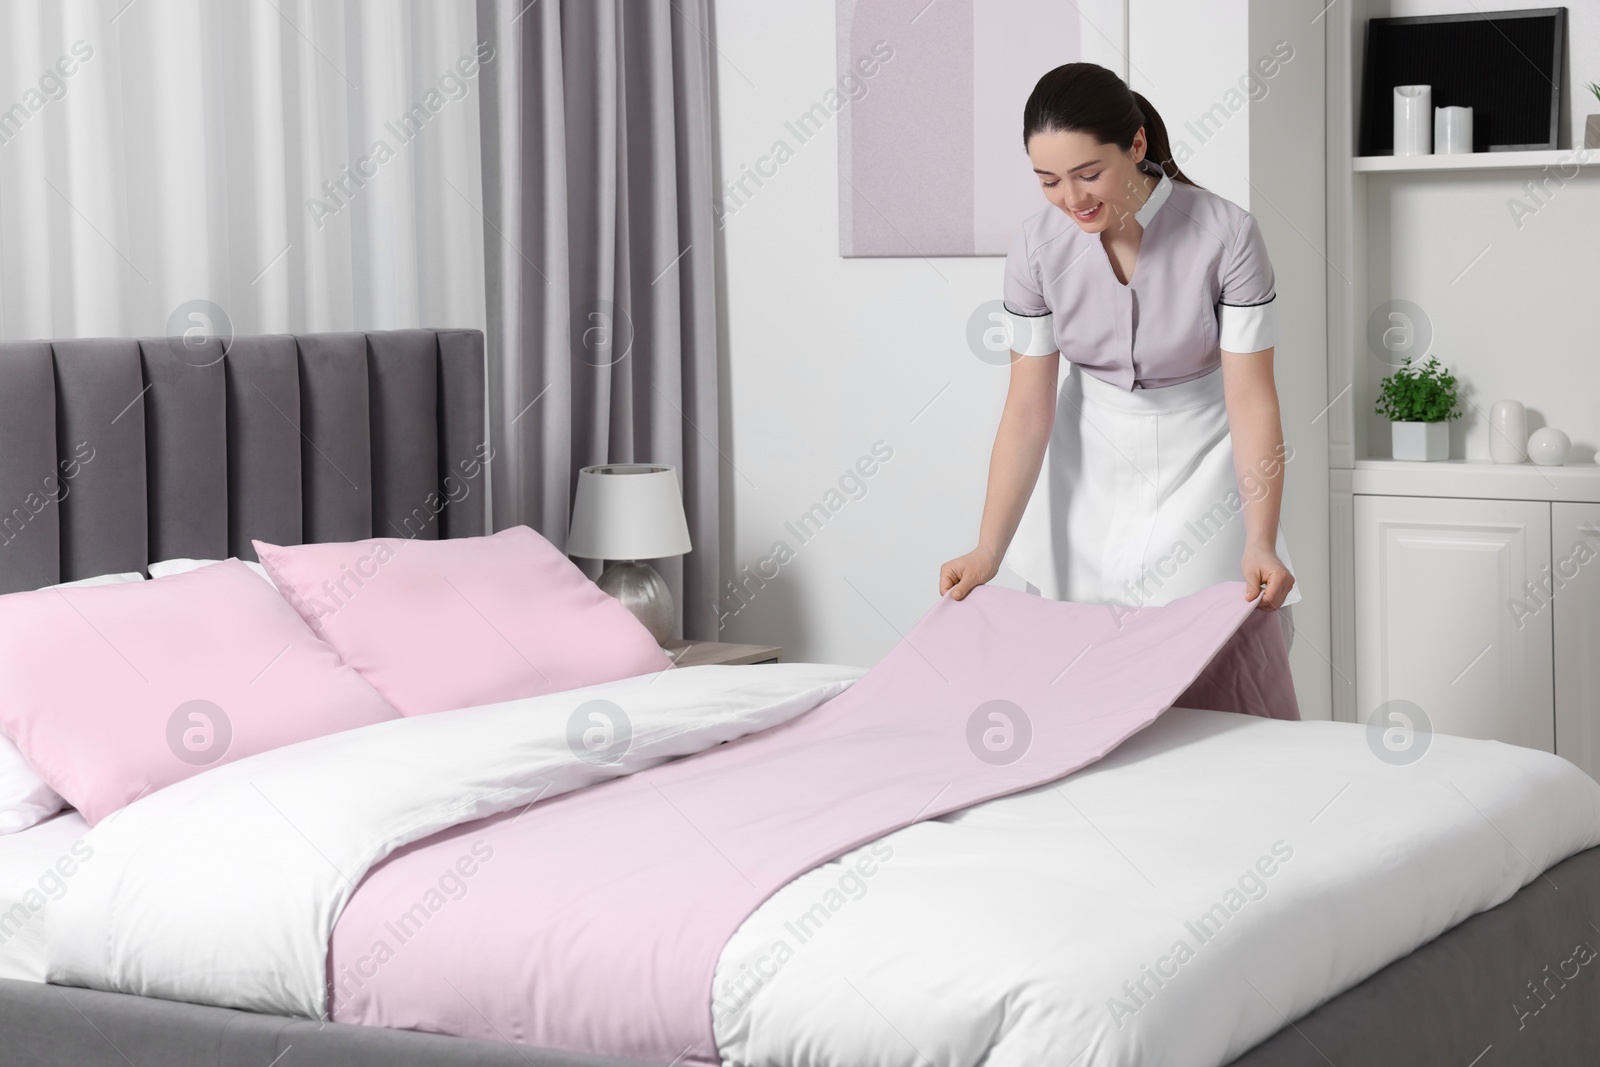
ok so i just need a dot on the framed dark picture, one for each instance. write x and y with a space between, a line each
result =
1505 65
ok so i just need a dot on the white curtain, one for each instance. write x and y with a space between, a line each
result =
280 165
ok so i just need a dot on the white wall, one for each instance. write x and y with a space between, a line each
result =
1187 60
826 356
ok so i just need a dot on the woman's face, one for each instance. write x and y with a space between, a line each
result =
1097 185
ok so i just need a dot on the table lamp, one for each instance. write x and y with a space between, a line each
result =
625 513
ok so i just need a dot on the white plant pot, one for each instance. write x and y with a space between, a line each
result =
1421 440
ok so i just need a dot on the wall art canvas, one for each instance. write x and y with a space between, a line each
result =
931 161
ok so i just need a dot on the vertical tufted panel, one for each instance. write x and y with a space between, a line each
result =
30 484
115 453
404 379
100 434
463 437
264 443
186 448
336 443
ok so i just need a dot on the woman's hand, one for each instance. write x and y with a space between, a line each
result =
964 572
1261 567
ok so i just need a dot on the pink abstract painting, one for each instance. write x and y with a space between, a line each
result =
930 98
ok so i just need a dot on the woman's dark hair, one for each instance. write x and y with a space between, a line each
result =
1088 98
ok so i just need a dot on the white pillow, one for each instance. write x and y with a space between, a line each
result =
102 579
183 566
25 800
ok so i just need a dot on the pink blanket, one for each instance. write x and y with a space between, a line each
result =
593 922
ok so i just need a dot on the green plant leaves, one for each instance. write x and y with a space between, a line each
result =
1419 394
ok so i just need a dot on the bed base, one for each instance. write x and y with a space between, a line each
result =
1464 998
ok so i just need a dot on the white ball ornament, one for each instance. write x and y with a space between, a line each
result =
1548 447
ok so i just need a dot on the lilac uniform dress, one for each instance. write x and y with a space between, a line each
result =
1138 501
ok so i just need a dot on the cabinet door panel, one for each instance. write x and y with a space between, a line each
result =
1437 584
1575 582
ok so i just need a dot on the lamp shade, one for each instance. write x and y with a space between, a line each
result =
628 511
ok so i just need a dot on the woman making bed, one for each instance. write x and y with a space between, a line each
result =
1156 469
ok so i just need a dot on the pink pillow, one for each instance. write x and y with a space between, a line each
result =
116 691
435 625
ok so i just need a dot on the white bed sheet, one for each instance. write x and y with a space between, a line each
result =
37 866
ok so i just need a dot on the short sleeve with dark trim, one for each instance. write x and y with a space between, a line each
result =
1247 313
1028 319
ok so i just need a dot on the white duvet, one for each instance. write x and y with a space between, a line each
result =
38 866
1173 904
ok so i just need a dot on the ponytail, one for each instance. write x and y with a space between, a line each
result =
1088 98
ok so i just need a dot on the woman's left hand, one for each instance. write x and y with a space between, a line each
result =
1261 567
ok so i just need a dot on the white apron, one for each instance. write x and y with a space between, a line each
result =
1137 502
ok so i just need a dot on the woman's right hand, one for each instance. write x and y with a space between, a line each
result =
964 572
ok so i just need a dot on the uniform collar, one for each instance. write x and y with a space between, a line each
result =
1158 195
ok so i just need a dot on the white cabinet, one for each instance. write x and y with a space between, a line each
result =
1575 581
1437 584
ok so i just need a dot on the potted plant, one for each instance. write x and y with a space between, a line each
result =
1591 128
1419 403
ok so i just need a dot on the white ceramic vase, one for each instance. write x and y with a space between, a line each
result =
1508 432
1413 120
1420 440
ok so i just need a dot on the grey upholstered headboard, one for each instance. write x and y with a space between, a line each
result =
118 453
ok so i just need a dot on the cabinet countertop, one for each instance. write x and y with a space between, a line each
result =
1477 479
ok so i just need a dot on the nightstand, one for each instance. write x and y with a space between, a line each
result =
698 653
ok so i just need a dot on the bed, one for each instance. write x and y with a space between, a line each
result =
339 437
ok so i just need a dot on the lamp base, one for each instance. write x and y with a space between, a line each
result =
642 590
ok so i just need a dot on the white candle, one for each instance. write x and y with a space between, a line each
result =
1452 130
1413 112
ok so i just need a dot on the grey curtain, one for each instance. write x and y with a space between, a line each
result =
599 245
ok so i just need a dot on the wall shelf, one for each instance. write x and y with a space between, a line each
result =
1508 300
1560 157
